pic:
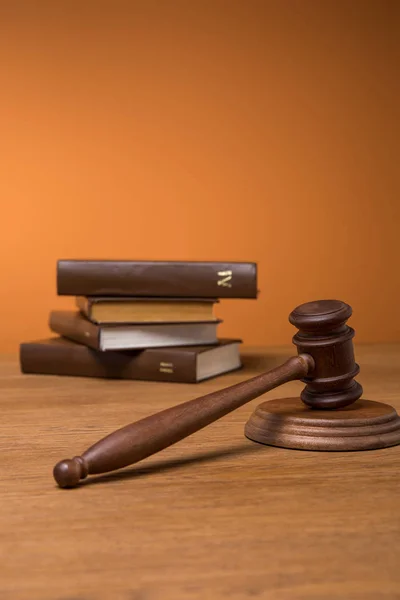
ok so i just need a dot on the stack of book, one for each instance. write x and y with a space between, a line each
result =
149 320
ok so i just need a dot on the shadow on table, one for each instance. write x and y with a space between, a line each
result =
175 464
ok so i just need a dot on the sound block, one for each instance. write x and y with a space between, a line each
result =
289 423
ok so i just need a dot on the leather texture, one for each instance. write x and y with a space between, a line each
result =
73 325
60 356
157 278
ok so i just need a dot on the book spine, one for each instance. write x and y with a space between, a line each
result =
163 279
76 328
84 306
81 361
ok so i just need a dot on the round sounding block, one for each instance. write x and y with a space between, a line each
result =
289 423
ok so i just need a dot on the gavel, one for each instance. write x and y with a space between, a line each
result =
325 363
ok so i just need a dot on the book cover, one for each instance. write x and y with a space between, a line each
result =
63 357
75 326
116 309
157 278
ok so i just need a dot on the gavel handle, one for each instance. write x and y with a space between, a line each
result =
136 441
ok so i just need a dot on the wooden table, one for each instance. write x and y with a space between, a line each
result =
215 516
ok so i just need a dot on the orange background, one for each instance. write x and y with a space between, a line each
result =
215 130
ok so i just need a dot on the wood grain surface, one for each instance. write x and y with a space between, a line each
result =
215 516
289 423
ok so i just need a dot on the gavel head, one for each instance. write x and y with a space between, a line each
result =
324 335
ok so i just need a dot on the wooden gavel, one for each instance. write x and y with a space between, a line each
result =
325 362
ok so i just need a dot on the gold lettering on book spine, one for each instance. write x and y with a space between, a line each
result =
166 367
226 278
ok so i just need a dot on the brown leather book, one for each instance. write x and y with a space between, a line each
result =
157 278
73 325
109 310
59 356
